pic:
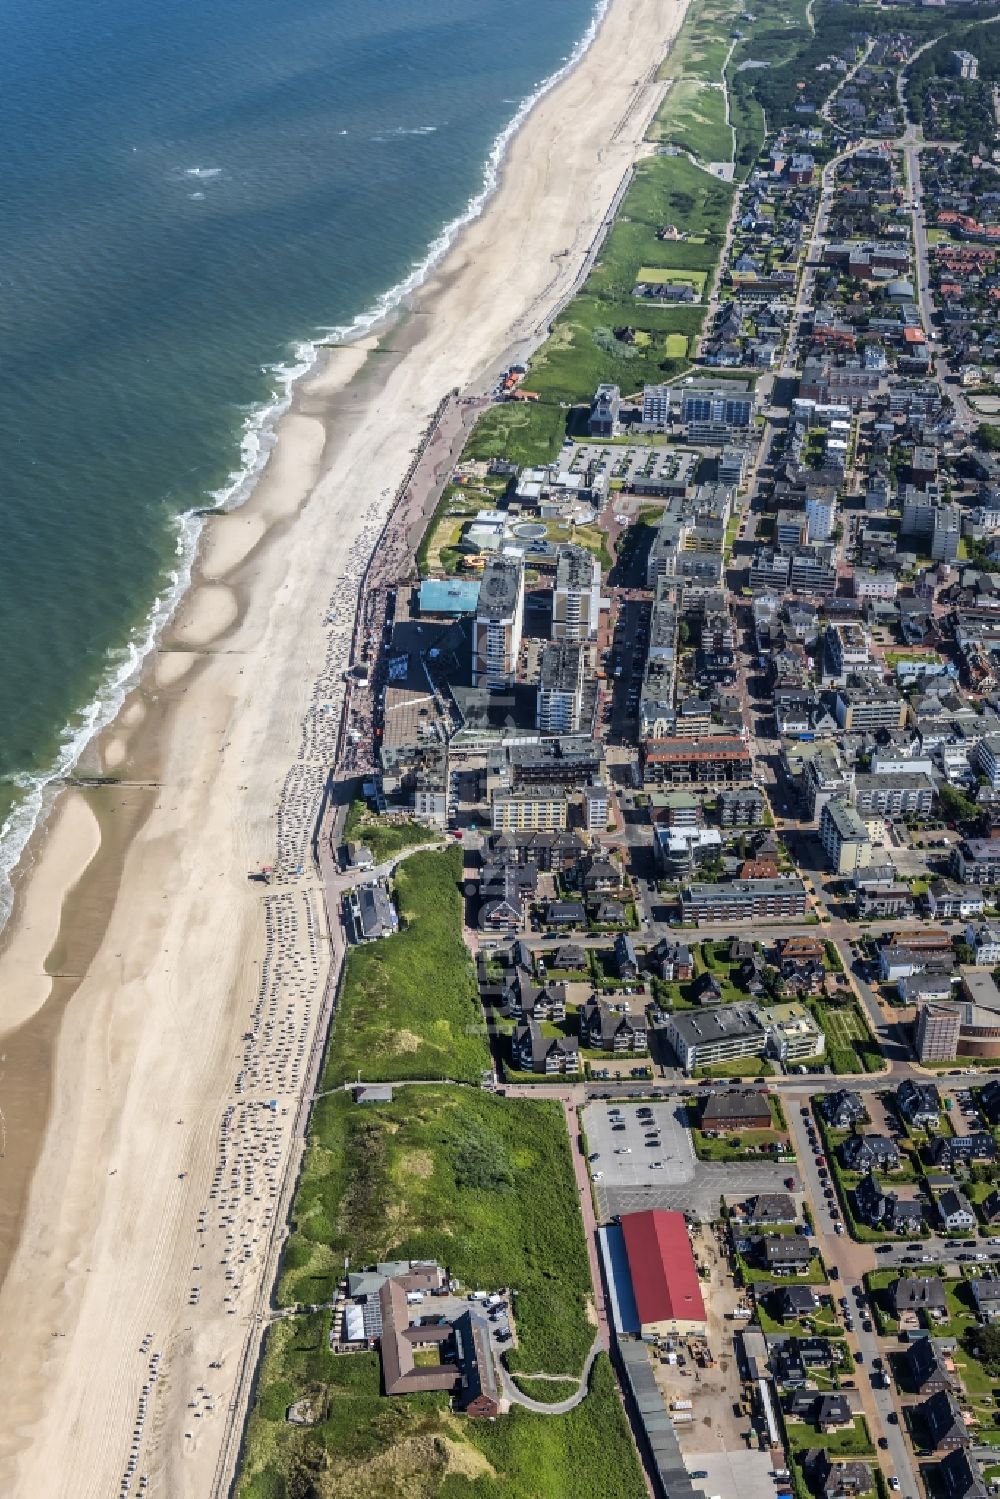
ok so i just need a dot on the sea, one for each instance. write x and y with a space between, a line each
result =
192 195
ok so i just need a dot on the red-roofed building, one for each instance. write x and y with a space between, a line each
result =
664 1275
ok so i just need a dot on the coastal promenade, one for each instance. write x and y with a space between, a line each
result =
193 1022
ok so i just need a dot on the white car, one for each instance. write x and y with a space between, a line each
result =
656 1165
894 1482
597 1176
623 1150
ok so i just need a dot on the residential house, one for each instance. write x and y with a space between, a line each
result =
568 957
834 1479
946 1151
919 1293
923 1368
918 1103
785 1254
958 1477
940 1419
886 1210
567 914
955 1211
843 1109
735 1109
825 1412
984 940
671 960
605 1029
533 1052
989 1100
526 1000
771 1207
626 962
986 1294
794 1302
870 1153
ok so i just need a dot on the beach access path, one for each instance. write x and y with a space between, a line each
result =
180 1057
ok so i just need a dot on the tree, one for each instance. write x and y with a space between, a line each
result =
984 1343
988 437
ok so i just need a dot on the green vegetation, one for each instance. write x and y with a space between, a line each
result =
526 432
699 48
409 1004
850 1045
954 806
815 1274
693 116
384 839
737 1067
460 1176
546 1391
748 1145
854 1441
368 1447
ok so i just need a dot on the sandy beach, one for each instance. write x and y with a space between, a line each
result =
159 1008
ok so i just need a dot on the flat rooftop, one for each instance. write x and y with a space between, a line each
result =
561 667
500 588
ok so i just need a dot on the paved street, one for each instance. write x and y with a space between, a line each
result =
853 1260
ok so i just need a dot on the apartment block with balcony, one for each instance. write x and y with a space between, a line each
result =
844 837
560 687
536 809
576 597
498 624
744 900
894 795
861 705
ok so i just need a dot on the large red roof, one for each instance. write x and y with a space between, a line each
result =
664 1275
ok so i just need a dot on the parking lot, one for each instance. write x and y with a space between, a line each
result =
743 1472
627 1148
626 1181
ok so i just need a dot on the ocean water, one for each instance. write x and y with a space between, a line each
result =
190 194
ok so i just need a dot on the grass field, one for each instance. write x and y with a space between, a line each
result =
660 275
526 432
384 839
699 49
693 116
460 1176
409 1005
367 1447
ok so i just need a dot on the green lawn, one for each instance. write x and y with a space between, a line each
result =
738 1148
457 1175
409 1005
815 1275
737 1067
385 839
660 275
605 333
850 1045
854 1441
369 1447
